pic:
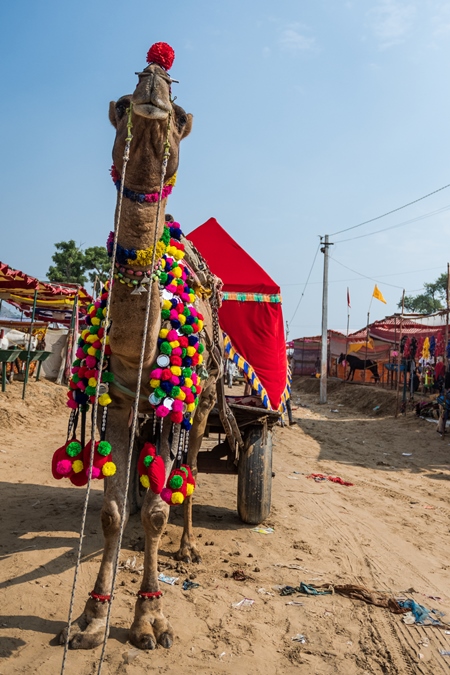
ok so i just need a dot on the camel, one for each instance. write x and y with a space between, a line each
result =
151 106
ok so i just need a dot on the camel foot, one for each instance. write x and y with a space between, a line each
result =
188 553
88 631
149 629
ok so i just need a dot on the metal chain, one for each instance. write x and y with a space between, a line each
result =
126 157
138 389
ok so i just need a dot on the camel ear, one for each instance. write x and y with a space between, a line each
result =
188 126
112 114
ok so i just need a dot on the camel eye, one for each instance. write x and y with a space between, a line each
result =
121 108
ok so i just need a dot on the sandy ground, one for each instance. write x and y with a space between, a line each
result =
389 531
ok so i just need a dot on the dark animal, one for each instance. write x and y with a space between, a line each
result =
358 364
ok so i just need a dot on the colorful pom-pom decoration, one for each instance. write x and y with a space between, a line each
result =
102 462
67 462
162 54
151 469
180 484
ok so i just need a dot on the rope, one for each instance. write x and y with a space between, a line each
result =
138 389
126 157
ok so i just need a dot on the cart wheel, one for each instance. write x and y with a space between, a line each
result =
255 477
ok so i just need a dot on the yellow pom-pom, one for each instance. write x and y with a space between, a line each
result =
166 304
106 340
182 319
177 272
104 399
200 325
177 498
92 351
154 383
85 334
91 338
181 396
95 321
174 344
104 311
190 352
77 466
163 263
178 255
189 489
176 370
190 407
188 382
92 382
163 333
200 359
109 469
145 482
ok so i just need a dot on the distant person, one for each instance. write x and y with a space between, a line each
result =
230 372
317 367
439 374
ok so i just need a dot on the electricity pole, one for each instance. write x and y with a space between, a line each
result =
324 353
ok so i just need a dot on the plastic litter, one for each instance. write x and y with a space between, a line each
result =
131 655
299 638
444 652
189 585
407 454
418 614
166 579
263 530
294 602
246 602
262 591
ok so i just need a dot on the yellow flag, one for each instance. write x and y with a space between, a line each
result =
378 294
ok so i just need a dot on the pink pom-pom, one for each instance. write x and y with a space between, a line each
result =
81 385
64 467
166 495
96 472
156 374
80 353
172 335
176 351
175 380
173 314
177 405
162 411
171 288
91 361
185 297
71 404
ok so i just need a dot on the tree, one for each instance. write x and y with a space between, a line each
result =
431 300
69 262
97 263
72 264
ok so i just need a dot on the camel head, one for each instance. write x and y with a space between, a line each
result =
151 105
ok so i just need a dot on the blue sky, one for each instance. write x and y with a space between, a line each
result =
309 117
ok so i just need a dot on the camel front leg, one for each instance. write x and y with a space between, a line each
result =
188 551
150 626
88 630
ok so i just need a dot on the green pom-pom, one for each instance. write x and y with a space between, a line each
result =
184 470
194 390
175 391
73 449
99 313
75 378
93 330
187 372
148 459
165 238
187 329
160 393
104 448
187 311
76 363
107 376
176 482
163 277
183 352
165 348
165 314
201 348
85 348
90 391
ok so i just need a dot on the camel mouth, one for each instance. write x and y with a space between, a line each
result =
151 111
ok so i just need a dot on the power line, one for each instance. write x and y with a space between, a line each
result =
365 275
392 227
381 276
388 213
306 283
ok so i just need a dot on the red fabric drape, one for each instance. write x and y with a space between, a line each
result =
256 329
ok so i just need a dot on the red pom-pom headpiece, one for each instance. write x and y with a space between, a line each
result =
162 54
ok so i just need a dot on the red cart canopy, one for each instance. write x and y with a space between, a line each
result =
251 314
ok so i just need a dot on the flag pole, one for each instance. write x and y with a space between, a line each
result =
398 353
348 328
